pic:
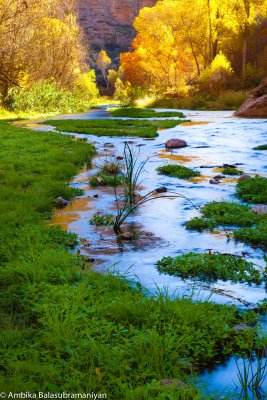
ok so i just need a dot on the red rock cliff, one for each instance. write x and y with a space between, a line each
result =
108 23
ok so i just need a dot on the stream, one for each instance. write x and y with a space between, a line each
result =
214 138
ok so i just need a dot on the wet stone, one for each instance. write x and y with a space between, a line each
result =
260 209
214 182
218 177
175 144
173 382
243 327
61 202
162 189
126 236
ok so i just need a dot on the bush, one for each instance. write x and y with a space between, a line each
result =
48 97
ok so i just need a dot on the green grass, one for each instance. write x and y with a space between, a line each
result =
232 171
210 267
66 330
261 147
255 236
131 112
103 179
236 215
109 127
102 220
253 190
177 171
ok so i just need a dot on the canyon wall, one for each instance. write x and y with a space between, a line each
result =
108 23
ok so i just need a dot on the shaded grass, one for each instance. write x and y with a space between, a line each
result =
66 330
177 171
232 171
253 190
109 127
226 100
132 112
210 267
261 147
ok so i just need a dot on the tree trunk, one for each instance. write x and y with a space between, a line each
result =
244 58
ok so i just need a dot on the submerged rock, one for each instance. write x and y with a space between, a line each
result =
256 104
162 189
218 177
260 209
127 236
214 181
61 202
175 144
244 177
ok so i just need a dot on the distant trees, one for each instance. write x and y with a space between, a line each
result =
178 44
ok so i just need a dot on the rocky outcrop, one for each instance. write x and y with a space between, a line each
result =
256 104
108 23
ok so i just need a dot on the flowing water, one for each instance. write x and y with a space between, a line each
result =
214 139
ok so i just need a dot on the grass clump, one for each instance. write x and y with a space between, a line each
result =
177 171
224 213
201 224
210 267
253 190
132 112
261 147
144 129
102 220
232 171
102 179
255 236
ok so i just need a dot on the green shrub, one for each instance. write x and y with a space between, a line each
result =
177 171
253 190
48 97
210 267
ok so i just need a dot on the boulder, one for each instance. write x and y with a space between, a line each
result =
244 177
175 144
256 104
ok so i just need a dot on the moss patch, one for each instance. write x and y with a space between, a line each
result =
261 147
232 171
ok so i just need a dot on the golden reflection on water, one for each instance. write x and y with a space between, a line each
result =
71 212
193 123
177 157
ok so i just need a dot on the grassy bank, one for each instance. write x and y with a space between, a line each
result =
228 100
135 112
67 330
145 129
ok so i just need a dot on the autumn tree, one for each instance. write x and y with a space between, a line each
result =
39 40
103 61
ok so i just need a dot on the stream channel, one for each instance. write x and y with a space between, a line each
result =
214 138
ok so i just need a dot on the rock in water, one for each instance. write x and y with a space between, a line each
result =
256 104
61 202
175 144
